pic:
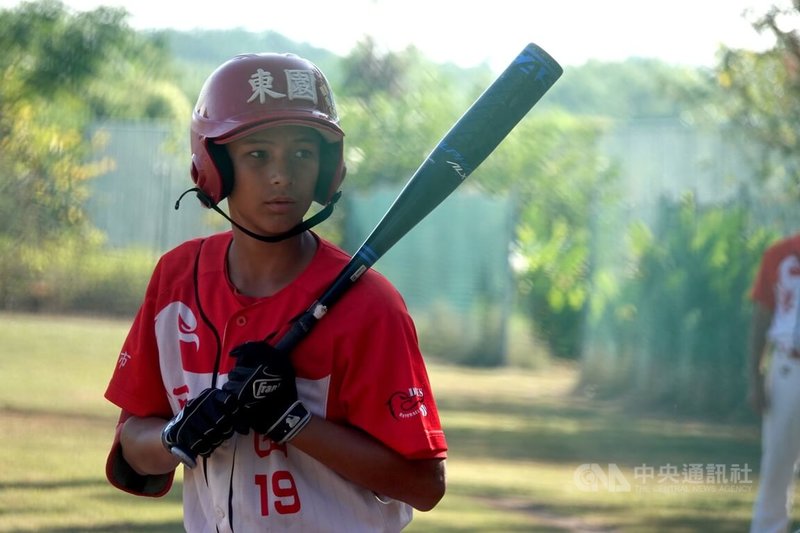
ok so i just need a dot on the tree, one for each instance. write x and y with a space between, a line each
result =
551 165
60 72
674 331
635 88
763 98
395 107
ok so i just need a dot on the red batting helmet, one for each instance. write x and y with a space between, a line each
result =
256 91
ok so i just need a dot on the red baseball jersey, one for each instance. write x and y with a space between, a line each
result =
777 289
361 366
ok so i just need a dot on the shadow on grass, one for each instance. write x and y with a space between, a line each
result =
690 523
574 430
608 515
593 443
96 489
52 484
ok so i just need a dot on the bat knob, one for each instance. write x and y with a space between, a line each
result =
185 458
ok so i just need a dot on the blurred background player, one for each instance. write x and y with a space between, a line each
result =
775 381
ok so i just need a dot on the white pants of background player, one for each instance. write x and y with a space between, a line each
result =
780 441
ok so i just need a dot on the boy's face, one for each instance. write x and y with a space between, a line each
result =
275 172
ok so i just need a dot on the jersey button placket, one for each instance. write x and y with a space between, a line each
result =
241 321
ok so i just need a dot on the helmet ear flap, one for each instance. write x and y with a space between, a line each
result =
331 172
224 167
212 172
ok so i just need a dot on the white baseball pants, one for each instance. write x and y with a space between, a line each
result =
780 441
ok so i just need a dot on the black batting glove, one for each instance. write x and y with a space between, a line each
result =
201 426
263 382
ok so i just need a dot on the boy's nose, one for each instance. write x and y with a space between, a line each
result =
279 171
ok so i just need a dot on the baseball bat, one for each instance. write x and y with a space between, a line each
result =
465 146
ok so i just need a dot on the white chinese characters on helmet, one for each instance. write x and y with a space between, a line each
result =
261 83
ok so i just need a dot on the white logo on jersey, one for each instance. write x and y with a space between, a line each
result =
175 324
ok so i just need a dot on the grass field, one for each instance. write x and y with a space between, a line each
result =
525 453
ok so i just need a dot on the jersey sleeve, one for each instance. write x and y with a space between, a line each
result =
120 474
386 390
137 388
136 385
763 290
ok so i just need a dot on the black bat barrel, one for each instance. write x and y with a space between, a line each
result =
476 134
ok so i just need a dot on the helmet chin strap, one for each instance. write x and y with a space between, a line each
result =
299 228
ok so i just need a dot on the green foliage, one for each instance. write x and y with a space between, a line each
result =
48 52
680 318
391 127
636 88
43 170
71 275
762 92
47 56
60 71
669 328
198 52
91 60
367 73
552 166
444 335
55 69
468 337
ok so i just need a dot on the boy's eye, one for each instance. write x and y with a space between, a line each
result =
301 153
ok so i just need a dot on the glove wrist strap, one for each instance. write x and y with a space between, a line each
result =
290 423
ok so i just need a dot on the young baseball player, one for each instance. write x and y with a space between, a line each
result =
341 434
775 344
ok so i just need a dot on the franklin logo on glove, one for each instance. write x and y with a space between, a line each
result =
263 387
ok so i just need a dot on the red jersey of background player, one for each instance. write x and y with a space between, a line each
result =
777 290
